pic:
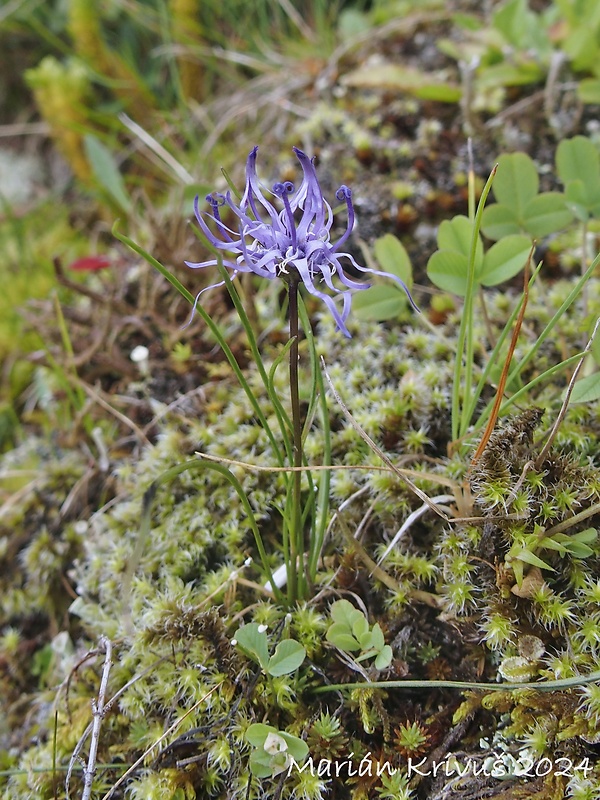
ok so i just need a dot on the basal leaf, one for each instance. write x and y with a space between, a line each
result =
343 611
392 257
507 74
360 626
546 213
287 657
516 182
261 764
297 747
578 160
447 269
253 641
379 302
588 536
257 733
579 550
384 657
577 200
498 221
456 234
339 635
505 259
378 640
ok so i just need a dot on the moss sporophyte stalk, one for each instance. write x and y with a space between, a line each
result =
292 244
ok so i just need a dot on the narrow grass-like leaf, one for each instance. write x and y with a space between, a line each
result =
106 172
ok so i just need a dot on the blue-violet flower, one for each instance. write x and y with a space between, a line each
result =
293 243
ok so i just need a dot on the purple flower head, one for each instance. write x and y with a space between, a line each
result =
293 243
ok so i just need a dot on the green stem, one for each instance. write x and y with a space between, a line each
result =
295 581
540 686
460 420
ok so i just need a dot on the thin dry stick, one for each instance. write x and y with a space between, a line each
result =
157 148
504 377
107 706
152 747
563 410
98 712
430 476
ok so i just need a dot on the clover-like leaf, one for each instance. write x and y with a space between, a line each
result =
342 611
448 267
252 639
519 208
378 640
360 626
274 750
499 220
393 258
384 657
379 303
288 656
578 167
516 182
545 214
505 259
339 635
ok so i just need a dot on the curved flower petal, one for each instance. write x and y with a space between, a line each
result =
272 243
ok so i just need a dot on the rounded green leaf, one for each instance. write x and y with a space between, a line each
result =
339 635
379 302
392 257
456 234
498 221
287 657
257 733
384 657
516 182
253 641
577 200
360 626
297 747
378 640
261 764
577 159
546 213
448 269
343 611
505 259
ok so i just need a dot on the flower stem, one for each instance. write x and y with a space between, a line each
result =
296 586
